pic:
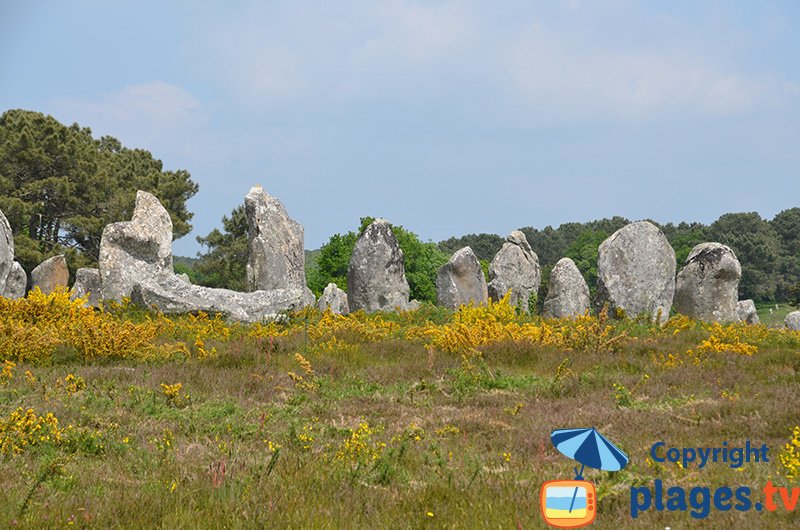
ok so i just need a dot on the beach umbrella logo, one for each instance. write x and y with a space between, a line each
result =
573 503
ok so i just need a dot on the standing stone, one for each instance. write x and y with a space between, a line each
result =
793 321
515 268
567 294
746 310
461 281
376 278
50 274
16 282
636 272
707 287
334 299
277 255
134 250
6 251
87 284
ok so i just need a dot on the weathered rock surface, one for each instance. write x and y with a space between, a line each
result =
636 272
792 321
50 274
707 288
568 293
376 278
16 282
515 268
184 277
461 281
87 283
169 294
746 310
277 253
334 299
13 280
6 251
134 250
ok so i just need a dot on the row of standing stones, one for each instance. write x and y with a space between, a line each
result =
636 273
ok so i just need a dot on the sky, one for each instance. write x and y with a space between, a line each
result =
446 117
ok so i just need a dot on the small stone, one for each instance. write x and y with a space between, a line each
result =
16 282
50 274
333 299
792 321
461 281
87 284
746 310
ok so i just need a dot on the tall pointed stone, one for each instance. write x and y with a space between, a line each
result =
50 274
135 250
515 268
277 253
376 278
460 281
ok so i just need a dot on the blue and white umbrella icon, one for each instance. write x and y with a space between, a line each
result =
590 448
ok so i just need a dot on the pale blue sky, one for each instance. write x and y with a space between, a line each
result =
445 117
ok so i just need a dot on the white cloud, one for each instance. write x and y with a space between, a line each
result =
156 115
554 76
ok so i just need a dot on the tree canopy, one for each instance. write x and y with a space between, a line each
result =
59 187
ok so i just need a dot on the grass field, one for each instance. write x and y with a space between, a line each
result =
425 419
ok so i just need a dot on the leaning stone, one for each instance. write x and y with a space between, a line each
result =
50 274
137 249
567 294
168 294
334 299
376 278
87 284
461 281
636 272
515 268
277 254
793 321
707 287
746 310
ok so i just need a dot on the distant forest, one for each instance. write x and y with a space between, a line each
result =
60 186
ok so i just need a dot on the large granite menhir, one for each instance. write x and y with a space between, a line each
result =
277 252
376 277
136 250
515 268
707 288
636 272
461 281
